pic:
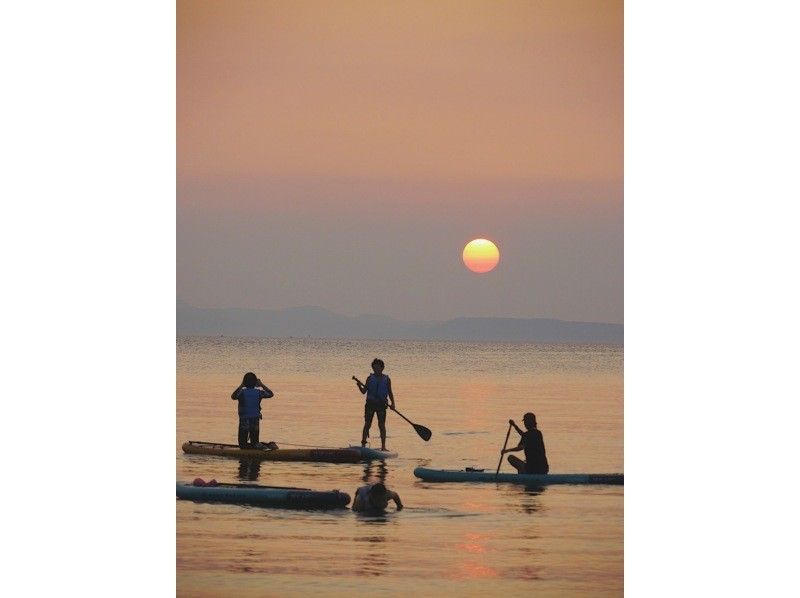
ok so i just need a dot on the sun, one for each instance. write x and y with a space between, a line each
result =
480 255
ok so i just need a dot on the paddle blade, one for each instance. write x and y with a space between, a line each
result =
423 432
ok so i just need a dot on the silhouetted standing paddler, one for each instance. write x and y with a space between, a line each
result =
378 389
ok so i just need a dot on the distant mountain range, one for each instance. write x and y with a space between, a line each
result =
319 322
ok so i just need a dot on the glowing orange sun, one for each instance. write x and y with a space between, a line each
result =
480 255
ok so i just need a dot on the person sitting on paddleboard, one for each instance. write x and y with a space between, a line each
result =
249 397
375 498
377 388
532 442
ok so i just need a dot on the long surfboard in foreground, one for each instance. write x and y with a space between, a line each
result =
352 454
464 475
263 496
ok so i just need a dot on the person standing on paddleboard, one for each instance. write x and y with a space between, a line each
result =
249 394
532 442
377 388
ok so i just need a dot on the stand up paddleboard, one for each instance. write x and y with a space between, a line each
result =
373 454
263 496
352 454
474 475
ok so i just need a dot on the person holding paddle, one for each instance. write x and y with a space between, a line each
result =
377 388
249 397
532 443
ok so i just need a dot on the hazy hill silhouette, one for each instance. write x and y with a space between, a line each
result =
319 322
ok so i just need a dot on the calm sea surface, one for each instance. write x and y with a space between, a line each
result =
451 539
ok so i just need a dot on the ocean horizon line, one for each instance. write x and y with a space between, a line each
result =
321 323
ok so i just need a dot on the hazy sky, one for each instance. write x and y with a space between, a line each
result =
341 154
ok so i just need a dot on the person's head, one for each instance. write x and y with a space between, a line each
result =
250 380
529 419
377 365
378 496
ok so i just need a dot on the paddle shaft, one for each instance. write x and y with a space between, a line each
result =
235 445
403 416
499 463
423 432
256 486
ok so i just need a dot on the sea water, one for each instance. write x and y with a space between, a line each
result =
450 539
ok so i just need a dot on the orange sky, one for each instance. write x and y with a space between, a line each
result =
340 154
417 90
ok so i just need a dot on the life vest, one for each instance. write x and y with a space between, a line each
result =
377 389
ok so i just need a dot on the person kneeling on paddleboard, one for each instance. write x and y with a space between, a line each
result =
375 498
532 442
249 398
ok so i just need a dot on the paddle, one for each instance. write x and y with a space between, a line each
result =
496 473
423 432
266 444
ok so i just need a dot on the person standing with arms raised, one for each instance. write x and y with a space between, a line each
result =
249 394
378 389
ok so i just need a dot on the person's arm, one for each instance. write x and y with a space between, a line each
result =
516 427
268 393
235 394
396 498
358 501
391 394
513 450
361 385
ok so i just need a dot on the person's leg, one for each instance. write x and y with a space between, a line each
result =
254 430
382 427
368 413
517 463
242 432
